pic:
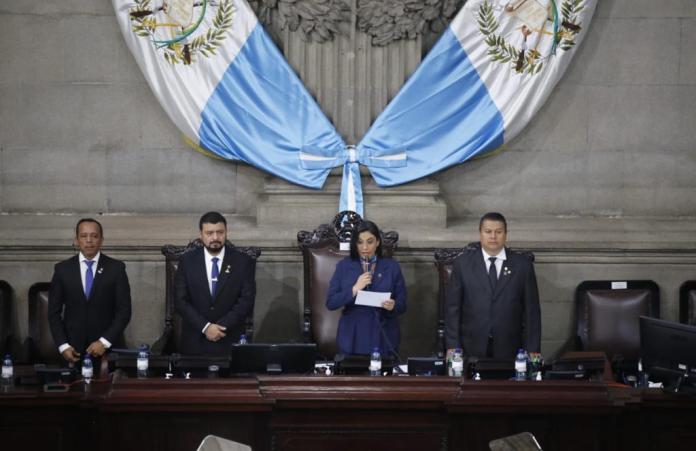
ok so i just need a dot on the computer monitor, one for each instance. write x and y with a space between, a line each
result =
269 358
668 351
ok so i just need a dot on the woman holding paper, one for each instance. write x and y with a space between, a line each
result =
372 292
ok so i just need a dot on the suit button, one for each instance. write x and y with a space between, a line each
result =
212 308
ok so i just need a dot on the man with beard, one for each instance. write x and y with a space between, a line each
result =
214 291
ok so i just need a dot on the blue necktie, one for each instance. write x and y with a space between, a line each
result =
214 273
89 278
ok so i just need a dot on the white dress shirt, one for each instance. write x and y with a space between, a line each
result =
209 270
499 259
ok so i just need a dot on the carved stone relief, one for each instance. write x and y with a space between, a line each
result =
385 21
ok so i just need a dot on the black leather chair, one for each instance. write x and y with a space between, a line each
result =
170 339
321 251
687 303
607 315
443 262
6 330
39 345
607 320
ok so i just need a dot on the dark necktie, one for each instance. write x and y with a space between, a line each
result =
89 278
214 273
492 273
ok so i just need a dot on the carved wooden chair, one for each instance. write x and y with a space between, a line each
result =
169 341
321 250
687 303
443 262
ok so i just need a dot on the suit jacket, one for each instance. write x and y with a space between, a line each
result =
79 321
359 327
233 303
510 315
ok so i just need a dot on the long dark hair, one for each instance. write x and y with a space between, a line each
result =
365 226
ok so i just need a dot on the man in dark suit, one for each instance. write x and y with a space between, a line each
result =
89 303
492 305
215 289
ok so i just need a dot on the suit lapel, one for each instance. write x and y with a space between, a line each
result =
481 272
98 274
77 278
225 271
201 273
506 272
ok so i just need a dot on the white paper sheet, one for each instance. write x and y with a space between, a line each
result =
372 298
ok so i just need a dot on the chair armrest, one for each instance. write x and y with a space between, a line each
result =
571 344
28 351
161 345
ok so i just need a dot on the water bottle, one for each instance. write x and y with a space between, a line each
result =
243 339
457 363
87 369
143 362
520 365
7 371
375 363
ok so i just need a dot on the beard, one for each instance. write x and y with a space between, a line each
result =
214 246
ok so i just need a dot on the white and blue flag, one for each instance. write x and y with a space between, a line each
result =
479 86
225 85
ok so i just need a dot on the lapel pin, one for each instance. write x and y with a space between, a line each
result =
227 269
100 270
507 271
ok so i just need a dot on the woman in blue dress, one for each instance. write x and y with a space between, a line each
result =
363 328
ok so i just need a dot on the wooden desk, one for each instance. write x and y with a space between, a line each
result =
346 413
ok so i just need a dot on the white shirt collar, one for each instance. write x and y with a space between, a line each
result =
83 259
501 255
209 257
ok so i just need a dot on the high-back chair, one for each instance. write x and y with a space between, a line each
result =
687 303
607 319
170 340
321 250
6 333
39 345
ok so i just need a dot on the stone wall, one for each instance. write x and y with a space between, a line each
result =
600 184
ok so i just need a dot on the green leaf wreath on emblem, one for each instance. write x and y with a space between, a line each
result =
144 24
570 25
528 61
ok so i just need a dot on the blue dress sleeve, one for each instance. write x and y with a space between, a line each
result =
399 293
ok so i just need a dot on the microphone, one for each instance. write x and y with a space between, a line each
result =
365 262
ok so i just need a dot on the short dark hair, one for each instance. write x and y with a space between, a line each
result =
212 217
493 216
364 226
77 227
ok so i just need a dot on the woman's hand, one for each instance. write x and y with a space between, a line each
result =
389 304
364 280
